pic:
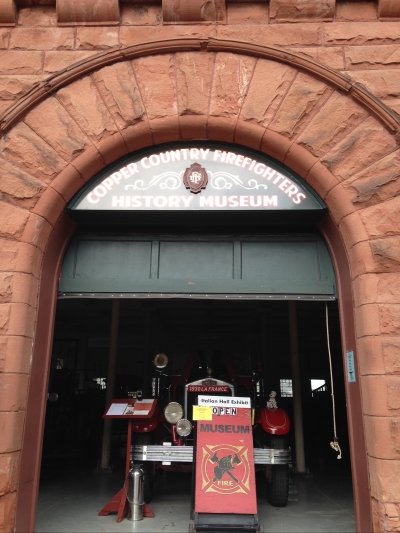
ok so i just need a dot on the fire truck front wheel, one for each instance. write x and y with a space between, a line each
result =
277 476
278 485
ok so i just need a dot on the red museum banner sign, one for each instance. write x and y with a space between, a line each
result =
225 478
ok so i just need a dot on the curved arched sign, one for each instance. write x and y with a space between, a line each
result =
196 178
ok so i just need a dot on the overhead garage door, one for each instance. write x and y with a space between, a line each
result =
267 266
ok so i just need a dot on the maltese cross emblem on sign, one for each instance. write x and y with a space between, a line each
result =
195 178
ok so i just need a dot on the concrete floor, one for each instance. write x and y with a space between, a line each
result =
70 501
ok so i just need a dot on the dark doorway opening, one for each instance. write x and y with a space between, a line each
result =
245 330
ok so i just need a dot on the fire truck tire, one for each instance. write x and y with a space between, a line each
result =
278 475
278 486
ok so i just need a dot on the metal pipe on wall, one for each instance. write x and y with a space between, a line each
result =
111 373
296 383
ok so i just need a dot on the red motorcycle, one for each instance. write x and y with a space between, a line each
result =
166 440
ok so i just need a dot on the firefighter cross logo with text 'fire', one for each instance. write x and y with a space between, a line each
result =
195 178
225 469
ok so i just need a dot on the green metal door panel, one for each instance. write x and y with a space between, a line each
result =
102 263
196 260
266 266
274 261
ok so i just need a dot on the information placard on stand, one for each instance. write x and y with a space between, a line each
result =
131 410
225 489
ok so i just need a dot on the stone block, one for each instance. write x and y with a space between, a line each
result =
386 253
362 260
383 219
378 182
247 13
19 257
367 320
393 393
336 119
68 182
18 186
42 38
8 13
11 424
15 354
377 288
50 206
388 9
382 83
138 136
88 163
37 15
20 320
235 72
375 397
339 203
300 10
18 287
164 129
352 229
391 354
299 159
192 127
26 150
181 11
120 93
54 62
361 10
9 466
51 122
141 15
370 355
13 392
369 32
374 56
12 220
363 146
97 38
38 228
249 134
221 128
321 180
13 87
112 148
20 62
384 478
307 34
299 104
157 85
268 86
331 57
193 79
7 512
86 11
383 437
275 145
389 319
88 111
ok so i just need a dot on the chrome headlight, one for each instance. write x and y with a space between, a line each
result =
173 412
183 427
160 360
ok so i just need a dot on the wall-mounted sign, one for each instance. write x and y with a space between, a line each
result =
195 178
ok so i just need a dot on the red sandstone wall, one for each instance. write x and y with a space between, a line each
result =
333 132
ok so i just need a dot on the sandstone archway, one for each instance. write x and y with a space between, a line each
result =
332 132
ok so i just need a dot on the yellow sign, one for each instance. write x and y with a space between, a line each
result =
202 412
